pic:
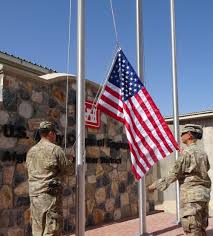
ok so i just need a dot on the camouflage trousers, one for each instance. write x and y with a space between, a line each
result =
194 218
46 215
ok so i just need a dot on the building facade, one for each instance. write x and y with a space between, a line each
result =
26 99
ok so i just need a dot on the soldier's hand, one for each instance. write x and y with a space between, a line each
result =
151 188
181 151
70 157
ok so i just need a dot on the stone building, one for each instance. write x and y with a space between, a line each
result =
111 190
25 100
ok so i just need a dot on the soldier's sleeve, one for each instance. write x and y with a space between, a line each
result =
64 164
173 175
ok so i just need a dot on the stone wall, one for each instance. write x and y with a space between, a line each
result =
111 190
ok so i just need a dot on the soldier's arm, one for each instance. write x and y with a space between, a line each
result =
173 175
65 165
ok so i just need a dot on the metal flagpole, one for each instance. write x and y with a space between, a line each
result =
80 126
175 100
141 183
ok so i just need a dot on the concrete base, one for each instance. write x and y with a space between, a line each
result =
144 234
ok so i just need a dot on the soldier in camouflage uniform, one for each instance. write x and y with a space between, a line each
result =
191 170
46 164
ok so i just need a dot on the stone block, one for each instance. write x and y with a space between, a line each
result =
102 181
124 153
117 138
8 172
34 123
15 232
28 230
23 94
26 141
7 143
103 118
37 96
4 218
98 216
90 191
91 179
59 95
129 165
105 151
117 214
72 180
110 205
123 165
114 175
10 99
53 114
99 170
22 189
122 187
4 117
12 218
25 110
90 205
20 217
67 192
18 179
125 211
114 188
27 216
131 178
134 209
93 151
108 217
133 198
117 202
100 195
91 169
107 168
21 169
123 175
89 220
22 201
71 110
68 201
6 197
52 103
93 131
124 199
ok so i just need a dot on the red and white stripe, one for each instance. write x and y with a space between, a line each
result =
149 137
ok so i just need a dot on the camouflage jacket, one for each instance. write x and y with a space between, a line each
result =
46 162
191 170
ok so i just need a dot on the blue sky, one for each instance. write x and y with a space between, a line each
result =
38 31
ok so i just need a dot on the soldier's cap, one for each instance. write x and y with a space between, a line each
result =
192 128
49 126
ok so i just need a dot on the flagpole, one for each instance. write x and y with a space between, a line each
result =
141 183
175 99
80 123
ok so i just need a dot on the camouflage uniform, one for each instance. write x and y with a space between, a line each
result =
46 163
191 170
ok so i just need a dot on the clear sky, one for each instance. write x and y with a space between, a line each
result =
38 31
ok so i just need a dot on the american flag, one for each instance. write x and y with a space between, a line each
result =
125 98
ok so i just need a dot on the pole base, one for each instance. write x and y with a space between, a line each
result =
176 223
144 234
